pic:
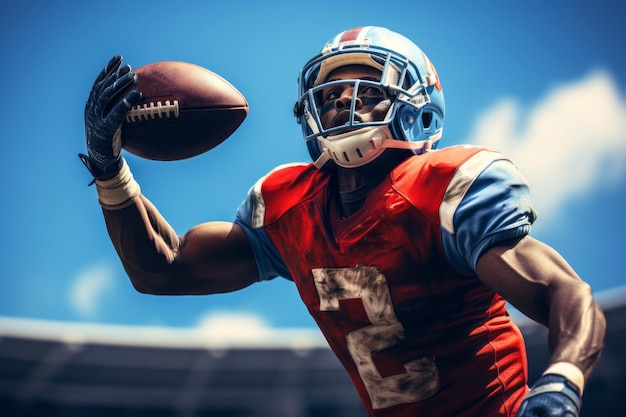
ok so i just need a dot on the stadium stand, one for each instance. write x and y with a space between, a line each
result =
57 369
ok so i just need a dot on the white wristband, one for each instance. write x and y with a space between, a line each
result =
569 371
120 191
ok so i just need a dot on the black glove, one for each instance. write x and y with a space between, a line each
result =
551 396
113 93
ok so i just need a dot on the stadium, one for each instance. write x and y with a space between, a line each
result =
58 369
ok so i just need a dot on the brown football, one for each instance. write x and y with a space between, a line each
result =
185 110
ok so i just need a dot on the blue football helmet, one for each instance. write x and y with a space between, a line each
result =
409 86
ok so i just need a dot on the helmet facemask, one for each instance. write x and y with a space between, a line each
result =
397 98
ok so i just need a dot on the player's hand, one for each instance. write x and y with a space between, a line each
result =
551 396
113 93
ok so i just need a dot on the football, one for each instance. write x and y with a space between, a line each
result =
185 110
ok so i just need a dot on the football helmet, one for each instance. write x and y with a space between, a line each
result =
409 86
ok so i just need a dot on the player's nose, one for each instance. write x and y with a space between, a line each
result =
345 99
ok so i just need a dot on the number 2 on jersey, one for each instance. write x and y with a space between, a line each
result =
421 377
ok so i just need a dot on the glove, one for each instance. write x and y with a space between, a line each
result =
113 93
551 396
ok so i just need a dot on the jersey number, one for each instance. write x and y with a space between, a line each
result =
420 378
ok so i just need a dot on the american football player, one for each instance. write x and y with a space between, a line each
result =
404 254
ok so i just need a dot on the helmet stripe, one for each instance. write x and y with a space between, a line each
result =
351 35
356 35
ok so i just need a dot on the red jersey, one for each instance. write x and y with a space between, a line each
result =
392 287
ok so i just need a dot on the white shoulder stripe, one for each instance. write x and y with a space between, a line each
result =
258 209
459 184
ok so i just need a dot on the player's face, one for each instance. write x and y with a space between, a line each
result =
370 103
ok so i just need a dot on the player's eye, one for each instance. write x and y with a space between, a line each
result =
330 94
371 92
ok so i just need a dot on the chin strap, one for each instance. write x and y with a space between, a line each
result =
418 147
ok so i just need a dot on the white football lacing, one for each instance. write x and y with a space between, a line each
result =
153 110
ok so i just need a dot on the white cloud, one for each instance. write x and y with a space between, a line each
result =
569 143
234 326
227 329
89 287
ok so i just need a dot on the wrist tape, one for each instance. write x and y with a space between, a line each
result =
120 191
569 371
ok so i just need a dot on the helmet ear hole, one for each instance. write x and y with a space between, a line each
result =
427 118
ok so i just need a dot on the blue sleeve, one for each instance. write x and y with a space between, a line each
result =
250 217
487 202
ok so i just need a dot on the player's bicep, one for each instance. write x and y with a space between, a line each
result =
527 273
214 257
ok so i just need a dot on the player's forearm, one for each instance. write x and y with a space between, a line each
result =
145 242
541 284
577 327
142 237
576 323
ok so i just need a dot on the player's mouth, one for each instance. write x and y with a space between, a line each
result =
343 118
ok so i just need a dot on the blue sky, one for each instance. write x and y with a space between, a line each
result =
543 82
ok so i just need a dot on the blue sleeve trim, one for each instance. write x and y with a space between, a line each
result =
494 207
269 262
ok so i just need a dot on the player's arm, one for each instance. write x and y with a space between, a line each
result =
210 258
535 279
213 257
487 218
488 209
